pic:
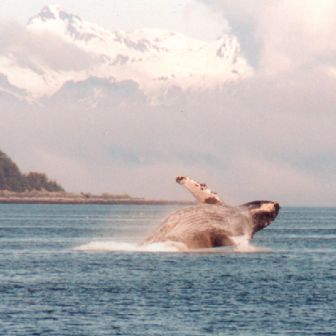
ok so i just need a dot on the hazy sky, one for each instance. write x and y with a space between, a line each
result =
178 15
271 136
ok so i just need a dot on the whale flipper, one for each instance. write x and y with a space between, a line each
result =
199 190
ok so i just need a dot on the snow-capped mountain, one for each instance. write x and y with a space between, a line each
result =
64 48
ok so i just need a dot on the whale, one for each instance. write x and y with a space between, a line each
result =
212 223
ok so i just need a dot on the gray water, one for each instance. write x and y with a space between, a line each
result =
62 273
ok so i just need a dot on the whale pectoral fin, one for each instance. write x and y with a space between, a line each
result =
199 190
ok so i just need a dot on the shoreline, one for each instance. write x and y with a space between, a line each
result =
74 201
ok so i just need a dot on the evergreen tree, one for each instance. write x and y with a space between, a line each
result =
13 180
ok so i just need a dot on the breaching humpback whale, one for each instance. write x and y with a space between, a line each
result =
211 222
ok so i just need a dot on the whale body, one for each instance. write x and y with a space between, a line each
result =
212 223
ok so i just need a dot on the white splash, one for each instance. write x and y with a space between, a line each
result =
114 246
243 244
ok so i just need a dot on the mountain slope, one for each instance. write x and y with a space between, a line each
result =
62 47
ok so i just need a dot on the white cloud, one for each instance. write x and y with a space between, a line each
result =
270 136
290 34
247 141
34 49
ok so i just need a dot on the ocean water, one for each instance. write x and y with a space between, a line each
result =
79 270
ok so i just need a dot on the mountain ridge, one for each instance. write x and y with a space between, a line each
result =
67 48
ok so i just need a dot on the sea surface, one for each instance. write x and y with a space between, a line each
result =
80 270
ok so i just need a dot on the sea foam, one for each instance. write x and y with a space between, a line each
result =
242 246
114 246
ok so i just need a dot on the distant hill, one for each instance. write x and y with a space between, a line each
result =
12 179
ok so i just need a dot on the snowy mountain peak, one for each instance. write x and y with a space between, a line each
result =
155 59
228 48
56 19
53 12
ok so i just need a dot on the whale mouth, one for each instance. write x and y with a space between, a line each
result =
267 206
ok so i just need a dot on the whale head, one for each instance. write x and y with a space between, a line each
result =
262 213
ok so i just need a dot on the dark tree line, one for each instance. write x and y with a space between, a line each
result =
13 180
